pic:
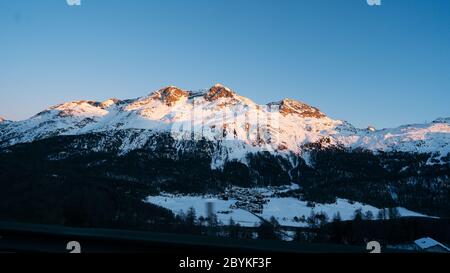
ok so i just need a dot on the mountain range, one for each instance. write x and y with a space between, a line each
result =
88 154
219 114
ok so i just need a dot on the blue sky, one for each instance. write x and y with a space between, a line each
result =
386 65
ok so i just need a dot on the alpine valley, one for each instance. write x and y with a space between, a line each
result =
122 163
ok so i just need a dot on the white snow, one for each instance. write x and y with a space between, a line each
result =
248 127
80 109
183 203
283 209
420 138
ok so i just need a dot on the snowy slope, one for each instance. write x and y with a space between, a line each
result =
67 118
219 113
180 204
419 138
287 211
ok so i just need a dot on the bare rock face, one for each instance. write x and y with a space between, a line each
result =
171 95
293 107
219 91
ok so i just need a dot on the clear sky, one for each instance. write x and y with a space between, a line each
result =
385 66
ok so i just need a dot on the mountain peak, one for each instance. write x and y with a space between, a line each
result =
442 120
219 91
294 107
2 119
109 102
171 94
169 110
80 108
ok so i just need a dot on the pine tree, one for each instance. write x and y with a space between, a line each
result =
233 229
358 215
191 217
266 231
274 222
393 213
322 219
312 220
337 217
201 220
214 221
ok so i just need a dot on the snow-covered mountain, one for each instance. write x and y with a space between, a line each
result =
175 145
220 114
